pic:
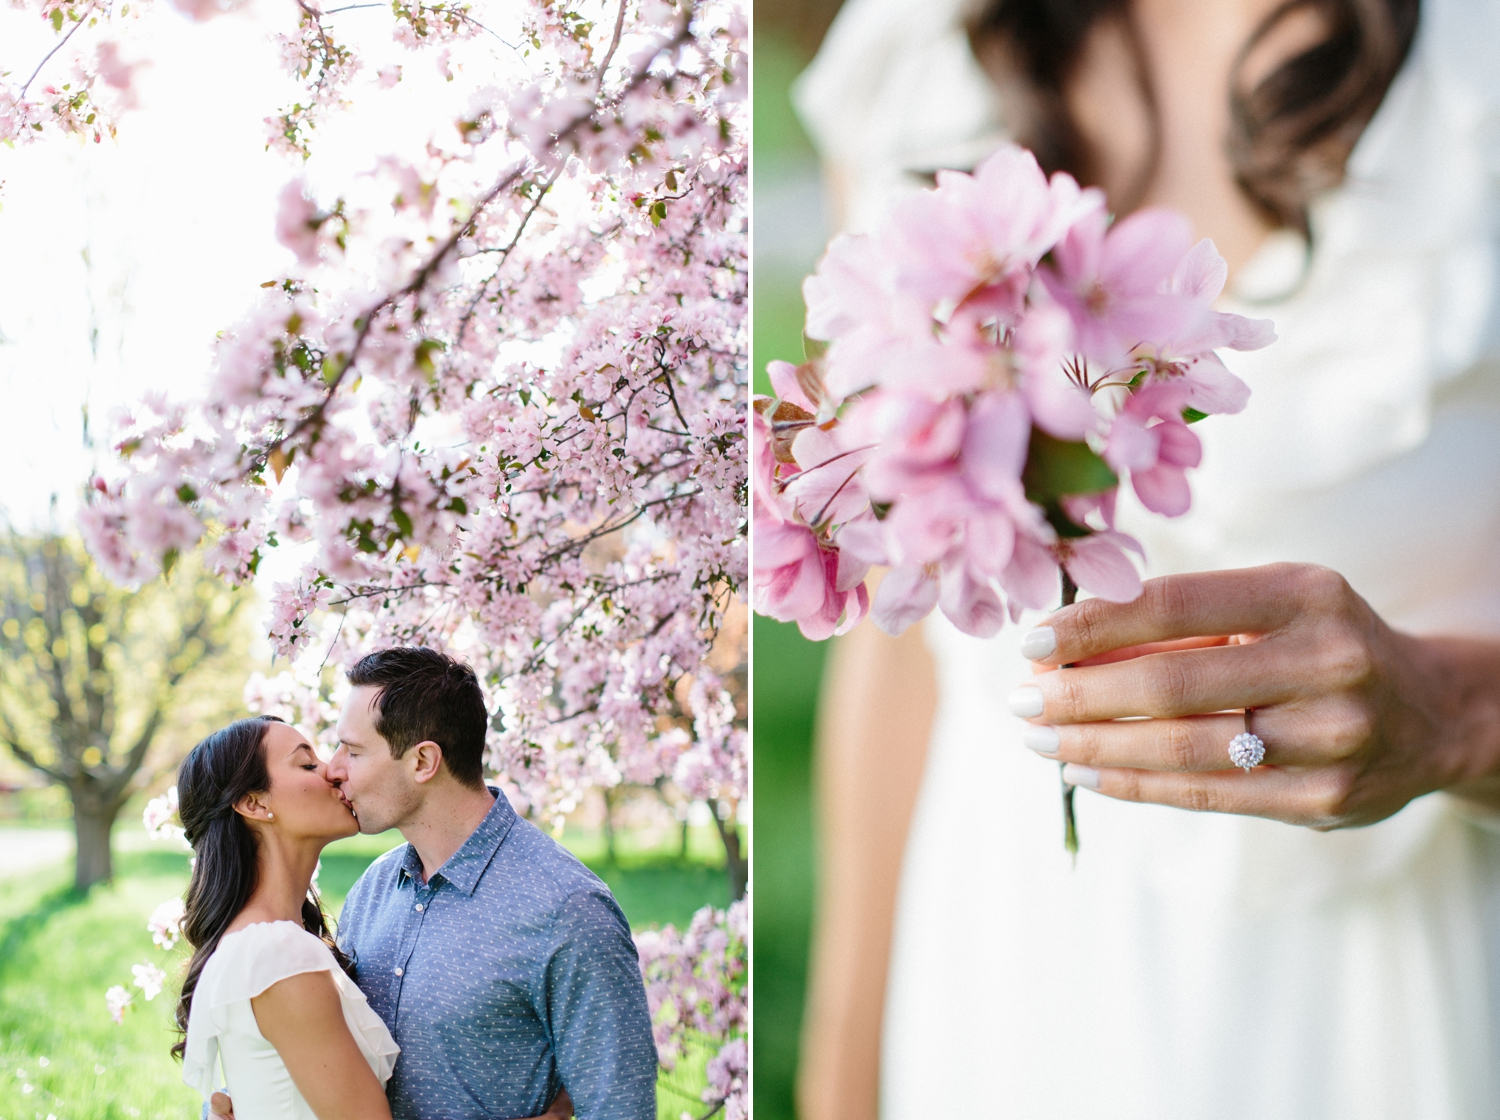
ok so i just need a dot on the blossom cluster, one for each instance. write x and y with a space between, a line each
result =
696 989
998 357
497 399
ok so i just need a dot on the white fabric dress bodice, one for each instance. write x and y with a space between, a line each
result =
222 1032
1198 966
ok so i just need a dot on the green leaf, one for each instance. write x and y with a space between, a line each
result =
813 348
1192 415
658 212
57 18
186 494
403 522
168 561
1057 467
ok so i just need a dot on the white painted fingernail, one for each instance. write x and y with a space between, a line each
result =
1085 776
1037 644
1043 740
1026 701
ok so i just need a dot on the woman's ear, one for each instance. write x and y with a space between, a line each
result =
253 807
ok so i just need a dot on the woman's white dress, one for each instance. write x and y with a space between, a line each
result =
1200 967
222 1031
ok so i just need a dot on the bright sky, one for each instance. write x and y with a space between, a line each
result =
157 241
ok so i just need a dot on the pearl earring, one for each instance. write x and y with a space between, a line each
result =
270 816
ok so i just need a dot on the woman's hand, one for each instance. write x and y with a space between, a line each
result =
1357 719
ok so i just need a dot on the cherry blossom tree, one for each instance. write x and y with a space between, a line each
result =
497 405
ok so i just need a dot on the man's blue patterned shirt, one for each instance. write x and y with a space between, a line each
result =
507 976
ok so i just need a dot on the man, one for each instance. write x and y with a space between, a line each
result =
501 965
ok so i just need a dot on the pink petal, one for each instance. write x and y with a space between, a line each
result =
1241 333
828 488
1131 445
923 528
1201 273
970 604
989 540
856 606
784 380
1099 566
1143 250
906 595
1031 576
1212 389
850 572
865 539
1059 407
1163 489
995 442
1179 446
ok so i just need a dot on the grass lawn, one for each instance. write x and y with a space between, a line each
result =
788 668
62 1058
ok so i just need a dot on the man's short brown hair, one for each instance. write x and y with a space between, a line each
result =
426 695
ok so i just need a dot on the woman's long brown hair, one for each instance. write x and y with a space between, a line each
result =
228 765
1290 134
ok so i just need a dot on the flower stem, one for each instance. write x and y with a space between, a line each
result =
1070 819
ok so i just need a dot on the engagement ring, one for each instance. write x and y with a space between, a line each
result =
1247 749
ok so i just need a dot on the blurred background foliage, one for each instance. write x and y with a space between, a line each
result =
104 688
790 228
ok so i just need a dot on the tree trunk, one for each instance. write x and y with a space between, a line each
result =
92 823
609 827
736 865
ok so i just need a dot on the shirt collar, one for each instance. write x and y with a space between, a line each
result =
465 866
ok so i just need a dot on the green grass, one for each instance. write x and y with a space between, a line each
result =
60 951
788 672
780 141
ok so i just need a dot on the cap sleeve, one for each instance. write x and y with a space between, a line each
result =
895 90
245 964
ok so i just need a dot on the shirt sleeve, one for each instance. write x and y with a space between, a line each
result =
594 1007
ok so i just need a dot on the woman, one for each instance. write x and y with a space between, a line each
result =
1343 156
267 994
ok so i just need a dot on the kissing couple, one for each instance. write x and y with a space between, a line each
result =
480 970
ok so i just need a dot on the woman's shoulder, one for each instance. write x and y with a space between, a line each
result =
249 960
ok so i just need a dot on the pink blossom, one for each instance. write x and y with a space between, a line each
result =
984 232
297 223
1149 439
1114 282
1188 357
797 580
165 924
784 381
149 979
117 999
877 332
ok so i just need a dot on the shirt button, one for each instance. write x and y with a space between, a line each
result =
419 908
400 972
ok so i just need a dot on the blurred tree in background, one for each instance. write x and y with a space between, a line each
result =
101 687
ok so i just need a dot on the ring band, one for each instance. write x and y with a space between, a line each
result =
1247 749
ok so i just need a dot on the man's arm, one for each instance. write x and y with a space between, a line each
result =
593 1002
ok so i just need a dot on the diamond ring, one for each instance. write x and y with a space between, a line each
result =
1247 749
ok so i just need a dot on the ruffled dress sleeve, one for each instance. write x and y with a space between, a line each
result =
245 964
895 94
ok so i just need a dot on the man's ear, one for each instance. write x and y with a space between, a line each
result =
427 760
